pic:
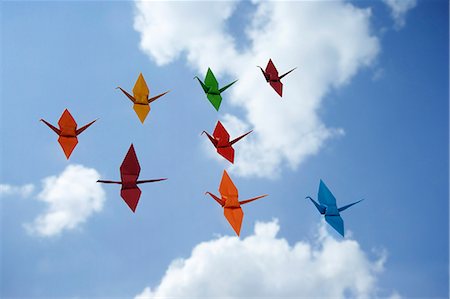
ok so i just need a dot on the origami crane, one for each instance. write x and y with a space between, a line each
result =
327 206
271 75
230 203
129 173
211 88
140 98
221 141
67 132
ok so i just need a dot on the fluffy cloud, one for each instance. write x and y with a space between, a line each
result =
22 191
263 265
329 42
399 8
71 198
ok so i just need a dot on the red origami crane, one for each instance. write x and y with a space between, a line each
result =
67 132
271 75
221 141
230 203
129 173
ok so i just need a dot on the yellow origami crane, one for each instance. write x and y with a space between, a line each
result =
140 98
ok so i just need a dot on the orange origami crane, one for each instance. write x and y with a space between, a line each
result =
67 132
140 98
230 203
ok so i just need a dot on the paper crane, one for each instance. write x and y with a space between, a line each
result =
140 98
129 174
211 88
230 203
67 132
221 141
327 206
271 75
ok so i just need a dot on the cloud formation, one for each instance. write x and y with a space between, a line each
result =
10 190
263 265
71 198
328 41
399 8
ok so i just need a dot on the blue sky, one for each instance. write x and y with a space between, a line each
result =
388 143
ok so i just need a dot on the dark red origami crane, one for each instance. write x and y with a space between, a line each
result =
271 75
67 132
221 141
129 173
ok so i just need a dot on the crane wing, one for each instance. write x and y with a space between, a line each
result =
234 217
130 168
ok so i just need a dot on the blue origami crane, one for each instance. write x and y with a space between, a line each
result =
327 206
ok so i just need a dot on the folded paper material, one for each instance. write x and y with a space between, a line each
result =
129 174
140 98
221 141
230 203
212 90
327 206
271 75
67 132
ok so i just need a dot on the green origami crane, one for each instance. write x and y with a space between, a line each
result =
211 88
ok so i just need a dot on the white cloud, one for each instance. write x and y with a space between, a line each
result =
71 198
399 8
22 191
329 42
263 265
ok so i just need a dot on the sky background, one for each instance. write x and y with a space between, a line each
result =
374 99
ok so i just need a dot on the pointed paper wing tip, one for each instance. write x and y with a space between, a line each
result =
67 145
141 111
321 182
234 218
240 137
131 148
227 187
337 223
